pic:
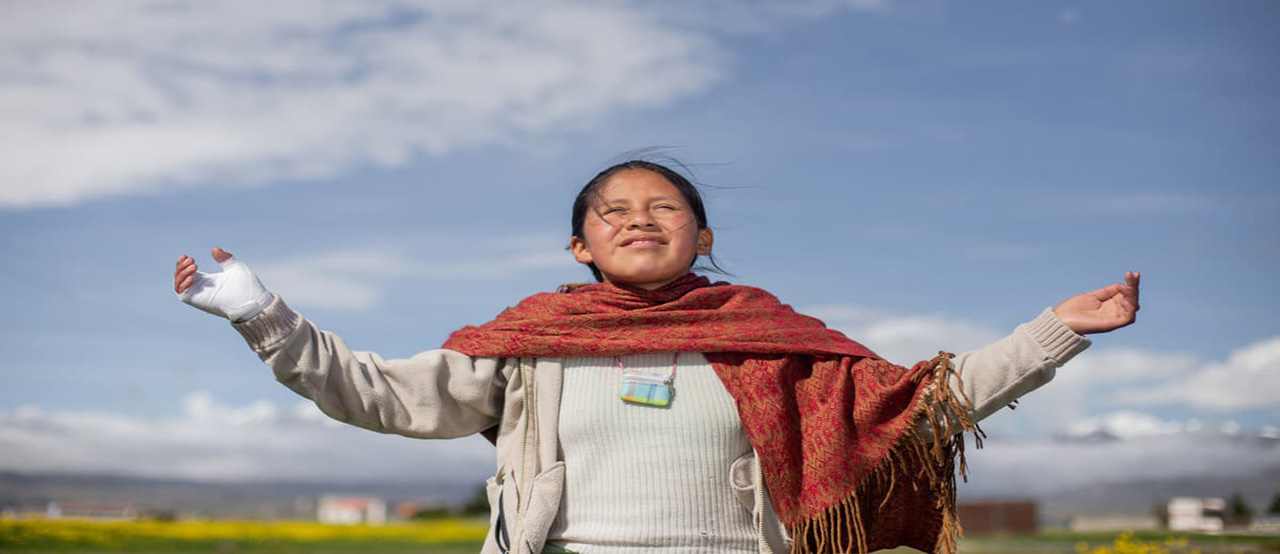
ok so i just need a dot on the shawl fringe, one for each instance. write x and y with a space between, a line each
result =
933 447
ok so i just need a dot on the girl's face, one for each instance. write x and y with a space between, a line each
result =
640 231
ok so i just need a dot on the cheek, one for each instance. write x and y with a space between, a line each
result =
681 222
601 231
597 237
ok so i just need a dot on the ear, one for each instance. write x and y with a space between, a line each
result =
580 250
705 239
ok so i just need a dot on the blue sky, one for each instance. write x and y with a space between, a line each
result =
922 174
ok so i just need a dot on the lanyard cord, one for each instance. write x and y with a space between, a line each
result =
674 360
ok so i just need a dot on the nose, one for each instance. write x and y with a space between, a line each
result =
640 219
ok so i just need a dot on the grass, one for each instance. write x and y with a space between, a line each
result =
1141 542
458 536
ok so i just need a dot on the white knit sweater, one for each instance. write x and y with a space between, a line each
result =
643 478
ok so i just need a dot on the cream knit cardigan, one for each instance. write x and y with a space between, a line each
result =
446 394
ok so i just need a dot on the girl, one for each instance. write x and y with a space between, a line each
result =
655 410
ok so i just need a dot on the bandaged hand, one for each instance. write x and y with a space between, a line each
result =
235 293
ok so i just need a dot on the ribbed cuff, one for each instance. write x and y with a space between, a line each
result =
270 326
1058 340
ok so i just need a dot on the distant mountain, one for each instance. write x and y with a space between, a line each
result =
1142 497
1131 425
1115 466
251 499
1121 464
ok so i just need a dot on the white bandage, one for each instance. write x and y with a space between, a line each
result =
235 294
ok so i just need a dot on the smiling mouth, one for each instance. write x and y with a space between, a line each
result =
642 243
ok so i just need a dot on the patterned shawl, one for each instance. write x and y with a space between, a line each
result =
834 426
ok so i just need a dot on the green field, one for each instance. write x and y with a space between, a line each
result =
458 536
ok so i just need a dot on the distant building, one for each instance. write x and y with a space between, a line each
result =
88 509
1197 514
1113 522
410 509
1266 524
351 510
998 517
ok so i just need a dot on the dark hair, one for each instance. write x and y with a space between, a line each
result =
686 187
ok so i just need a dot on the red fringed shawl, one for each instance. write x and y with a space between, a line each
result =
832 423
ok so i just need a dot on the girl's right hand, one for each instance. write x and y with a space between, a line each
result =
235 293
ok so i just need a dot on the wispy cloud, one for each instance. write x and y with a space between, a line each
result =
904 338
211 441
1247 379
1125 424
1099 381
216 442
355 278
1033 467
146 96
1087 386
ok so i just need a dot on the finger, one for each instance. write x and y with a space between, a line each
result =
181 274
1133 281
188 275
220 255
1128 304
185 284
1105 293
181 259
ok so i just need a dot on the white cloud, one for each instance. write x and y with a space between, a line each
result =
262 441
1086 386
1246 380
756 16
1031 467
904 338
356 278
111 98
1125 424
1100 387
214 442
1109 367
1103 380
1096 382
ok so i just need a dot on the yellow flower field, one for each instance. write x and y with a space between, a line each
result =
464 536
40 533
1127 544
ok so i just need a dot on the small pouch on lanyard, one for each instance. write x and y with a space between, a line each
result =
646 388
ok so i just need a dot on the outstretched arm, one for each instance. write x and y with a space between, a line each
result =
999 373
434 394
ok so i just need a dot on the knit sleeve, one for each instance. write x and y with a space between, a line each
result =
996 375
434 394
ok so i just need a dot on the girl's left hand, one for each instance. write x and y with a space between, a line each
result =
1103 310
